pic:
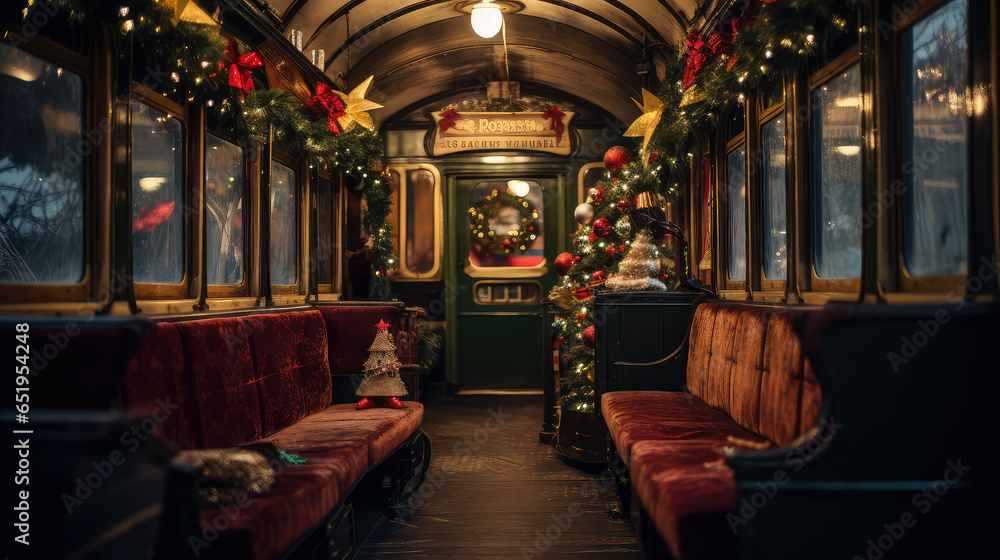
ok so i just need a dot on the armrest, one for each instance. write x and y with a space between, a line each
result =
758 464
624 367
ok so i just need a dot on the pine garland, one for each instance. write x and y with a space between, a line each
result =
782 38
195 56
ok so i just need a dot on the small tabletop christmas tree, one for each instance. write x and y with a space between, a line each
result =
640 269
381 377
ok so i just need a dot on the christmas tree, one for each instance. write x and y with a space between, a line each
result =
607 232
381 377
640 269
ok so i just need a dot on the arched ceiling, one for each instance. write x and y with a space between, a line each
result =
423 50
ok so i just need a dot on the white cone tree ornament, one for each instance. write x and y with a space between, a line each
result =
381 372
640 269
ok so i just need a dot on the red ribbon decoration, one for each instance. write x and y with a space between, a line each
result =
448 120
239 71
329 104
557 124
699 52
722 41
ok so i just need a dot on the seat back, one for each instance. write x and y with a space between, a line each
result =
227 381
748 362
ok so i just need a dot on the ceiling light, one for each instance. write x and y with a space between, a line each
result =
151 183
487 18
519 188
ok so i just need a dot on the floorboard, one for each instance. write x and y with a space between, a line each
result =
493 491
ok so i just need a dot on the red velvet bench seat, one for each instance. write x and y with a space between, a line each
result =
266 377
749 386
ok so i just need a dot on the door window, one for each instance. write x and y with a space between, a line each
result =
506 224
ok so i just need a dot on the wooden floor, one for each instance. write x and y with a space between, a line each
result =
494 491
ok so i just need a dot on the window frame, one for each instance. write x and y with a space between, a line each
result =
190 220
402 272
723 148
301 229
581 195
337 204
96 262
903 280
814 80
755 189
250 230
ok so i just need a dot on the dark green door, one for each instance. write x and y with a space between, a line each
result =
503 237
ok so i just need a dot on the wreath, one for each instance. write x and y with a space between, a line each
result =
503 243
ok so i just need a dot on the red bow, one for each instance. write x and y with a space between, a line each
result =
557 125
582 294
328 103
699 52
448 120
722 41
239 71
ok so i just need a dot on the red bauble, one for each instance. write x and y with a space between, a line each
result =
616 158
621 248
588 336
602 227
653 156
610 250
599 276
564 261
592 238
622 205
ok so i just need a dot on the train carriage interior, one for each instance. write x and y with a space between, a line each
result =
512 279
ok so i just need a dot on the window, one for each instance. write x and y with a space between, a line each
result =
225 204
157 196
736 193
326 233
41 171
775 247
494 292
836 157
506 224
417 191
284 247
421 226
591 176
933 81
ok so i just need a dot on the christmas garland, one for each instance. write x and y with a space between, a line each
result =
754 41
503 243
202 60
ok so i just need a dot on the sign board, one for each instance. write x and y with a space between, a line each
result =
282 73
501 132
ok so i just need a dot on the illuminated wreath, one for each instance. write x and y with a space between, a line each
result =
503 243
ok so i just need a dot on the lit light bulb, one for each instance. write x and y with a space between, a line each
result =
487 19
519 188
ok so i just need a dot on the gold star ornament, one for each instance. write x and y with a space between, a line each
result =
356 107
652 110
